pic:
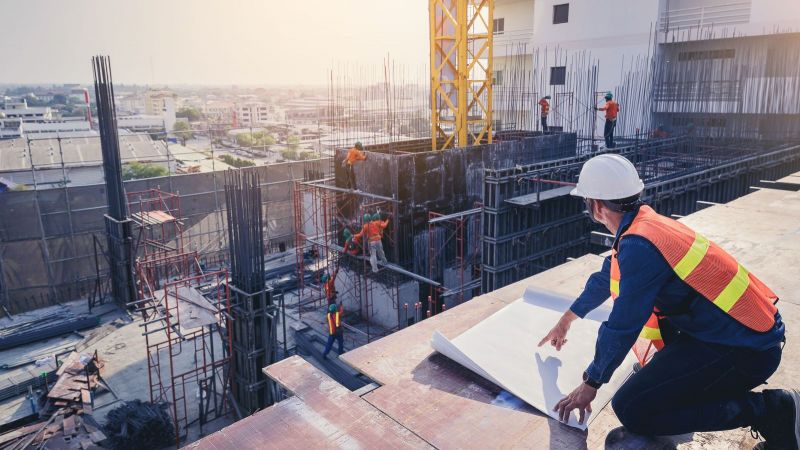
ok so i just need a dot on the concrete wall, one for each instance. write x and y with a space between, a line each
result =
46 245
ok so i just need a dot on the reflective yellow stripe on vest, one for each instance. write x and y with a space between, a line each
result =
650 333
734 290
692 259
614 286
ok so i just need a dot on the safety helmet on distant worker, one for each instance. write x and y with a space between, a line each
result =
547 97
324 277
332 308
347 234
367 217
359 146
609 95
608 177
376 216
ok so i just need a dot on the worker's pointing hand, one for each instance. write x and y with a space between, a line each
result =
558 335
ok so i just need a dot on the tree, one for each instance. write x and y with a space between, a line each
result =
236 162
182 131
255 139
190 113
136 170
293 142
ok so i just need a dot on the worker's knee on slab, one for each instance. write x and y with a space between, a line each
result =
631 412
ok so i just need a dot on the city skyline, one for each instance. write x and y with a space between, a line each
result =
203 43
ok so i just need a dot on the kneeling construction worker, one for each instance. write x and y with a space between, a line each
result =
335 330
714 324
352 245
355 154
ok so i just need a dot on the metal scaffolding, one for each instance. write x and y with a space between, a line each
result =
322 213
186 316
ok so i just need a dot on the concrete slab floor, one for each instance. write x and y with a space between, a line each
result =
120 344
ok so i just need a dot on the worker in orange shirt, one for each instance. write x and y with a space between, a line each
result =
335 329
612 109
374 234
352 245
329 285
544 109
354 155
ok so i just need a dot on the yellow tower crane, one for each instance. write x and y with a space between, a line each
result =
461 72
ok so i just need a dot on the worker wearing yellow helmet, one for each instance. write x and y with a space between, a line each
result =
706 329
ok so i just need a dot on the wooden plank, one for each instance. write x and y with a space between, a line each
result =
69 426
342 409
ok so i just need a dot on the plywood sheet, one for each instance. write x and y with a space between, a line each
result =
503 348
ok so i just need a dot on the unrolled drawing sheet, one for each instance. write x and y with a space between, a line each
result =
503 349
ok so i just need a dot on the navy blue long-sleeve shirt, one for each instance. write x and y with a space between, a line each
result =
647 280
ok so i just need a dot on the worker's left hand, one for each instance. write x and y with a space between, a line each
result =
580 399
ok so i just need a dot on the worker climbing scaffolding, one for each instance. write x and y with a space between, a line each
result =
352 244
329 285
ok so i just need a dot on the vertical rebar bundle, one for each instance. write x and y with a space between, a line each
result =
255 314
245 229
118 225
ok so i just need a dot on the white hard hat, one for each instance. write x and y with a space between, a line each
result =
608 177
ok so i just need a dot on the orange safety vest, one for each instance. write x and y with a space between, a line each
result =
611 109
375 230
545 107
706 268
334 322
354 155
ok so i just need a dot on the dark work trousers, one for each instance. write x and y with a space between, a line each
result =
692 386
338 336
608 132
351 176
544 124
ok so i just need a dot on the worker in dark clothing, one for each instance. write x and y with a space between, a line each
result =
329 285
612 110
713 325
544 111
335 330
354 155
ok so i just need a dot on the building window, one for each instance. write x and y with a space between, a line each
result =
499 26
558 75
707 54
497 78
561 13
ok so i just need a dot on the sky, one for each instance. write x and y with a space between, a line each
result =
222 42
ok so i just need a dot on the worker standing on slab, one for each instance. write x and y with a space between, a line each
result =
612 110
374 234
335 330
714 324
544 110
355 154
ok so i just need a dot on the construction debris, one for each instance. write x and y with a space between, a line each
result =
138 425
44 328
67 428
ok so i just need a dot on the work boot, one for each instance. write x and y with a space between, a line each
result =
780 426
621 439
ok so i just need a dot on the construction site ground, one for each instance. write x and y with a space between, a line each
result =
422 399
